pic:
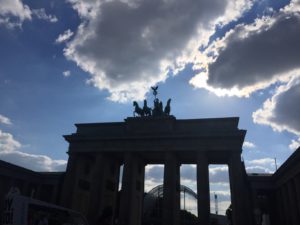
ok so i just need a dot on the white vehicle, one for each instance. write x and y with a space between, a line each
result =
21 210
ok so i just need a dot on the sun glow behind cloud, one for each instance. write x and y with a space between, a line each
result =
127 65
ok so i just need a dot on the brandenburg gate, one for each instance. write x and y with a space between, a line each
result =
97 150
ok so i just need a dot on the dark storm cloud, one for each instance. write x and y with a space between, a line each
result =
128 46
287 110
252 56
283 109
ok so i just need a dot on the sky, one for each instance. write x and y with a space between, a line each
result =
85 61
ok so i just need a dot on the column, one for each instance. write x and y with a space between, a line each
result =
105 180
69 182
293 203
132 194
171 193
239 197
203 189
297 187
286 209
279 206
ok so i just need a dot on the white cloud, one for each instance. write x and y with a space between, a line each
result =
219 174
263 161
8 143
34 162
13 13
263 165
41 14
127 46
9 151
295 144
188 173
64 36
4 120
252 57
248 144
282 111
258 169
154 173
67 73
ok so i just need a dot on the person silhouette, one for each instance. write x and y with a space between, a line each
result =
229 214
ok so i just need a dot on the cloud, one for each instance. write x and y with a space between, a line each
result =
155 173
41 14
9 151
218 174
188 172
282 111
34 162
252 57
8 143
67 73
263 165
4 120
64 36
294 144
248 144
13 13
127 46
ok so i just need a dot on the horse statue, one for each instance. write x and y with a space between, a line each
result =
137 110
168 107
146 109
158 108
161 111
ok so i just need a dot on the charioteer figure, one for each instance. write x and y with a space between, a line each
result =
157 111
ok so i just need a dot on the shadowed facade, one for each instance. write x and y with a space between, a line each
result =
97 151
91 181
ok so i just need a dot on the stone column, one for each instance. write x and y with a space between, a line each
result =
285 197
171 193
279 207
293 203
105 180
203 189
132 194
239 197
297 187
69 182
